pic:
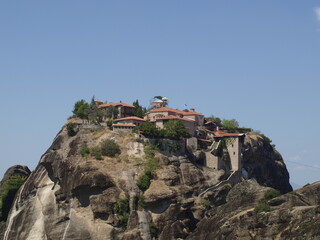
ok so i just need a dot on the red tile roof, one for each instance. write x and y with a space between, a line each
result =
123 125
175 118
193 113
165 109
131 118
224 134
115 104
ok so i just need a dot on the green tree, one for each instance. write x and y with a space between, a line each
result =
81 109
229 124
149 129
95 114
112 112
214 119
137 110
175 129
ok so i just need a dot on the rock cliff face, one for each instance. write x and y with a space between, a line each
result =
265 164
73 197
295 215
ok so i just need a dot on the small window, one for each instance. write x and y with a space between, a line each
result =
234 153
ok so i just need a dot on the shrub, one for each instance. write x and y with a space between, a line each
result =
174 146
229 124
175 130
122 209
144 181
109 148
150 130
153 230
152 165
262 207
318 209
109 123
84 151
141 204
227 186
270 194
9 190
149 153
206 203
70 129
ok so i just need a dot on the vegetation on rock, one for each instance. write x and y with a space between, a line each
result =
263 205
71 129
107 148
122 209
150 166
9 190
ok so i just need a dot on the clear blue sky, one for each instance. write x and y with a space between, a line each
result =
255 61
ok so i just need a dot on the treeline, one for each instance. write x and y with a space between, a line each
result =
91 113
173 129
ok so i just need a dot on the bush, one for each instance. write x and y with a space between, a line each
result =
175 129
174 147
153 230
122 209
96 152
150 130
262 207
227 186
141 204
70 129
109 148
9 190
270 194
109 123
85 151
318 209
229 124
144 181
206 203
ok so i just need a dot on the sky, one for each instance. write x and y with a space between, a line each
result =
255 61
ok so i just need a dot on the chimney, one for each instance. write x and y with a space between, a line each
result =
192 109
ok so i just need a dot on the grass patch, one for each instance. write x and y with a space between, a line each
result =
85 151
150 167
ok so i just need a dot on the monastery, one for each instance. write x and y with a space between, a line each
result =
202 132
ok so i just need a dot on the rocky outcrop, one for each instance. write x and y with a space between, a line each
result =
295 215
73 197
20 170
15 170
70 196
265 164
